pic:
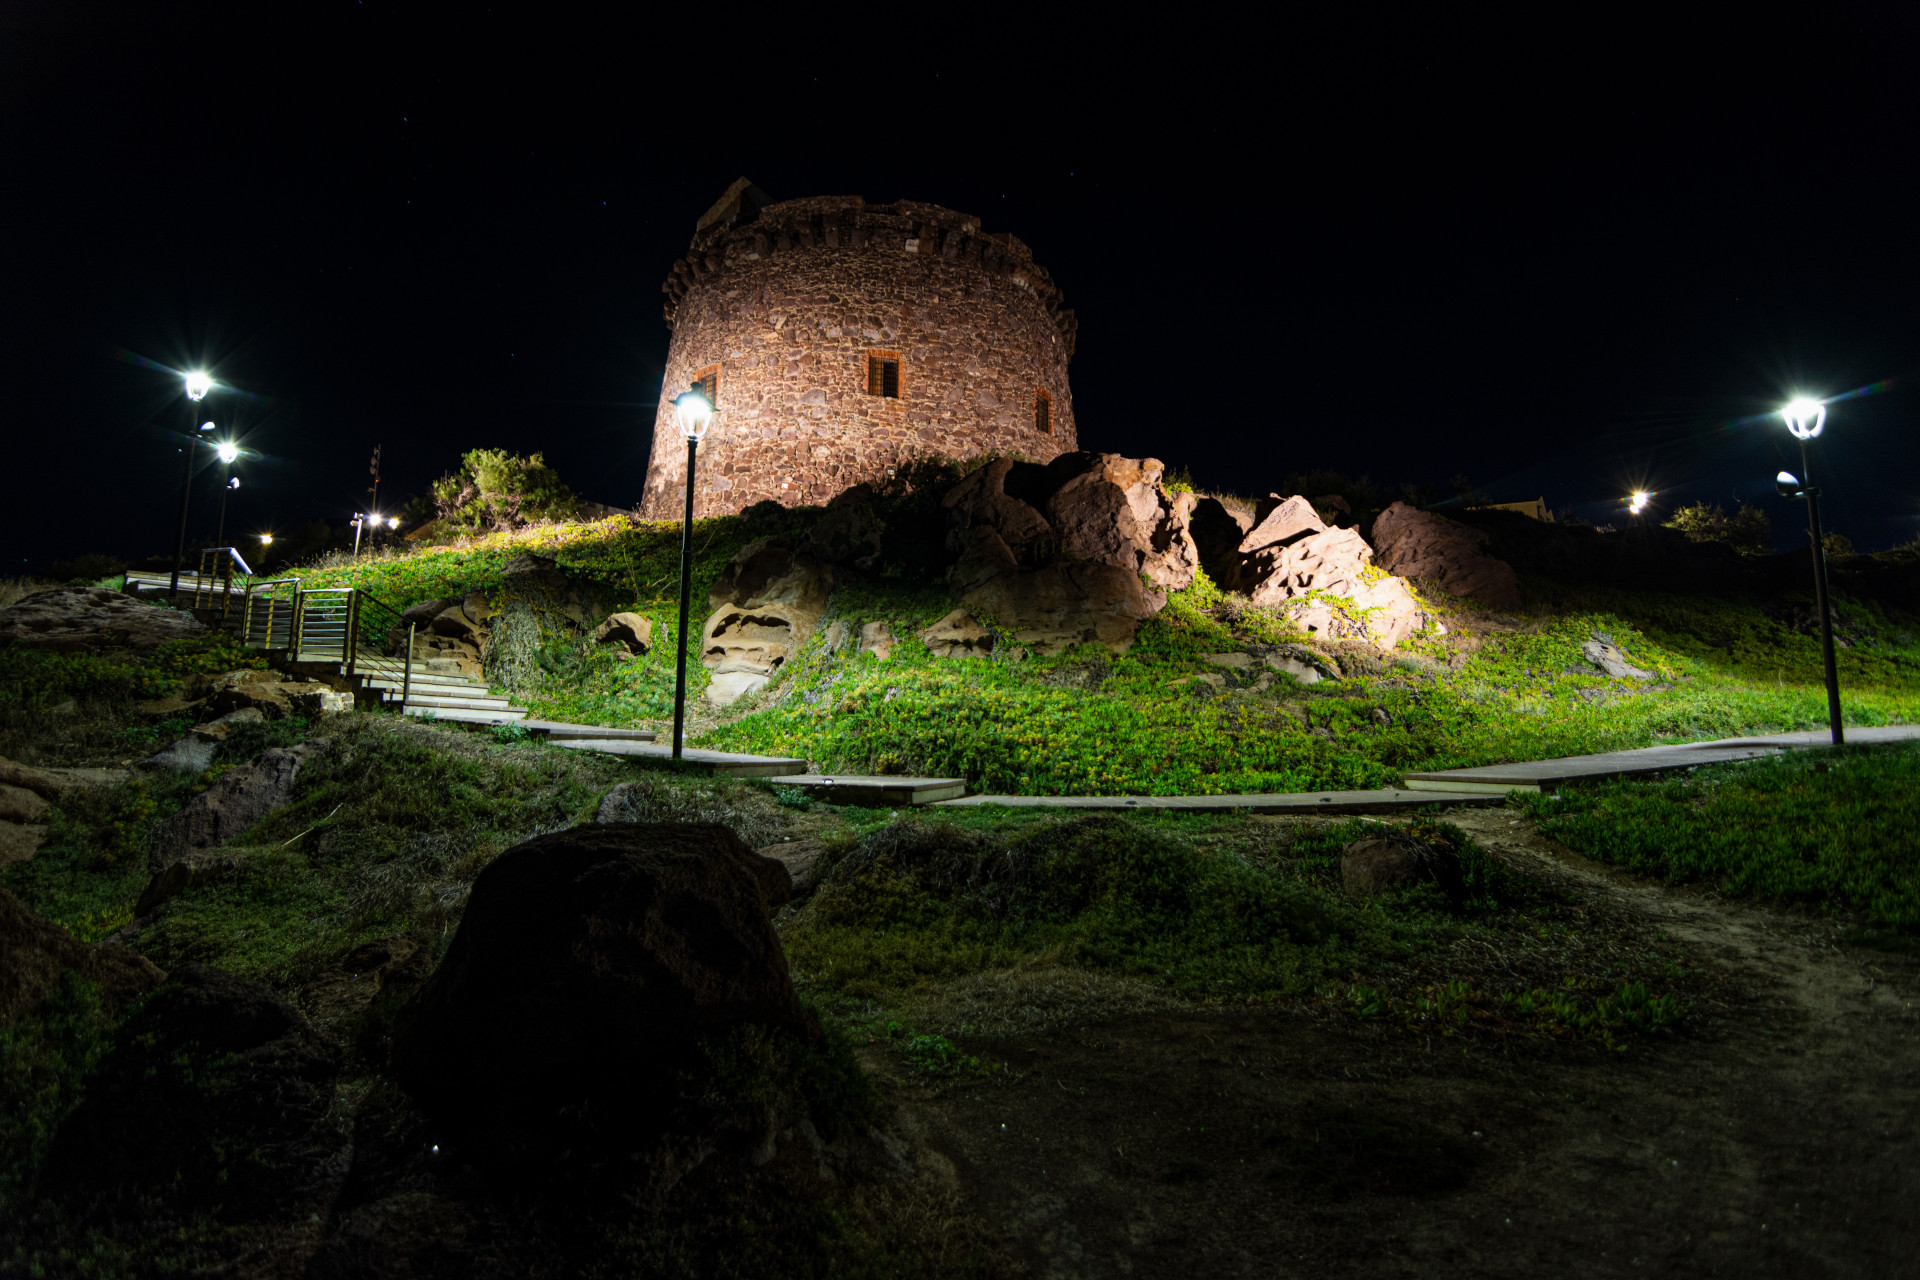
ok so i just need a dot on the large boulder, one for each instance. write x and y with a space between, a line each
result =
236 800
591 972
1062 605
980 502
72 619
35 952
765 605
1115 510
1418 544
217 1099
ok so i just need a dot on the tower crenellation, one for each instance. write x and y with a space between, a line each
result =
842 339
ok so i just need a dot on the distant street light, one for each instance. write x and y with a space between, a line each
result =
266 539
1805 419
1637 502
693 412
197 387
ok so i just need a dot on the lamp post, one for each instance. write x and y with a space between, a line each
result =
228 451
1805 419
693 412
197 385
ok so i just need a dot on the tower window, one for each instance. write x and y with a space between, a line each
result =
709 380
883 374
1043 413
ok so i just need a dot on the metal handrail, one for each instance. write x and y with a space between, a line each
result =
327 623
215 576
269 625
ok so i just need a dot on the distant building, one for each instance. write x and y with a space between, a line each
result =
840 339
1536 509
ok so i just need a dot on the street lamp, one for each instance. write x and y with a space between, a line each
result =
1805 419
1637 503
693 413
197 387
228 451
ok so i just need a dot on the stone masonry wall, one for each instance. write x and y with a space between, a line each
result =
789 300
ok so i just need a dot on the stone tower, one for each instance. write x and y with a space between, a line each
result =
840 339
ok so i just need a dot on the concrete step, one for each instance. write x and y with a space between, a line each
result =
497 702
419 683
458 715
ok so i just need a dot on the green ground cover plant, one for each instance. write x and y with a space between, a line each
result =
1209 909
1833 829
1089 722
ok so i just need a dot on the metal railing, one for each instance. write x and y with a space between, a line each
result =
331 624
214 579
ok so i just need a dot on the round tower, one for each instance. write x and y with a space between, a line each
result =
841 339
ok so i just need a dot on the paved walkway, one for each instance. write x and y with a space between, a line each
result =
1306 802
1545 775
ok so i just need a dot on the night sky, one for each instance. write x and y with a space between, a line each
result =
1563 260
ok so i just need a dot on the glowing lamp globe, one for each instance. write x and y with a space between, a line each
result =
228 451
693 412
198 384
1804 417
393 522
1638 502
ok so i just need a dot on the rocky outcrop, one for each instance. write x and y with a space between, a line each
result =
629 629
1605 655
958 635
1056 554
218 1099
765 605
274 694
1323 577
1430 548
1063 605
589 970
73 619
35 952
1114 510
235 801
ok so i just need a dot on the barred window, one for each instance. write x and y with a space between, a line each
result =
883 374
1043 413
709 380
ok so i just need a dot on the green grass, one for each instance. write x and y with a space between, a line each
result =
1834 829
922 901
1089 723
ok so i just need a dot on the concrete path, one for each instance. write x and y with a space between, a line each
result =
1306 802
880 791
1545 775
720 764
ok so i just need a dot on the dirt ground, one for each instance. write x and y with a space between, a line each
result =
1777 1135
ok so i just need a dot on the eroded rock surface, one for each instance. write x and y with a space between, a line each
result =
1418 544
72 619
765 606
1054 608
235 801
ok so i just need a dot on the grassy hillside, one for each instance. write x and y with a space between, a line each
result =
1493 688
